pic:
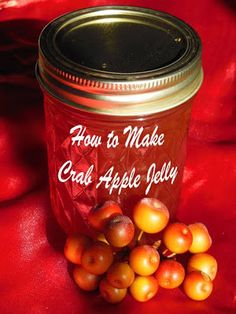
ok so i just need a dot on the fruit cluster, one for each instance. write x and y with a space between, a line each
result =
120 258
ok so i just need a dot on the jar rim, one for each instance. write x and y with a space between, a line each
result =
69 70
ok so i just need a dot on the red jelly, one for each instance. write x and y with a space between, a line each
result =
118 85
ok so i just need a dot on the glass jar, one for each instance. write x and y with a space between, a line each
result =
118 86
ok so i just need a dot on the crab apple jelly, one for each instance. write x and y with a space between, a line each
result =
118 85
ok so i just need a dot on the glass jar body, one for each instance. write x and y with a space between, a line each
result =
94 157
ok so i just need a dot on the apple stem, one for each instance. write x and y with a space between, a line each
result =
156 244
140 235
168 254
171 255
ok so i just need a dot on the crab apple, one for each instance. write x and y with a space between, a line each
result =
120 275
75 246
170 274
85 280
110 293
197 285
201 238
177 238
144 260
143 288
150 215
97 258
203 262
99 216
119 231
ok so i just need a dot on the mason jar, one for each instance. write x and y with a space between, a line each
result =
118 85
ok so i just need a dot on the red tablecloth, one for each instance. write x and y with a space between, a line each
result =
34 275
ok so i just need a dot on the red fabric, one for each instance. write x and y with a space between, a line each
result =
34 276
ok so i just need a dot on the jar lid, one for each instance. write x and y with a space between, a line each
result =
120 60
